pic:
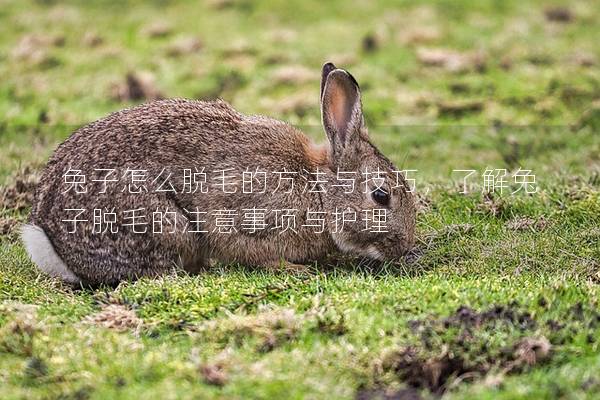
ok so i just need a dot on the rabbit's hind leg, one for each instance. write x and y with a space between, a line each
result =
130 254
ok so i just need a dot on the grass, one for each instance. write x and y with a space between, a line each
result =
502 302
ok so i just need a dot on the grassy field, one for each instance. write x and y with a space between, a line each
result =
500 299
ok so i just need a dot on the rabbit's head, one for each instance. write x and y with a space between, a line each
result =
381 197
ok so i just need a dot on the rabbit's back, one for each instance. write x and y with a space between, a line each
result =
185 132
175 135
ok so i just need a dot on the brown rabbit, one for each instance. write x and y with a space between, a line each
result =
162 139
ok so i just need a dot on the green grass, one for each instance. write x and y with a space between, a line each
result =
342 330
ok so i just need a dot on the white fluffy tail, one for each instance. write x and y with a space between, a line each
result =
42 253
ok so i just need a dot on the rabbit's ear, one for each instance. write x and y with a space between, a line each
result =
341 110
327 69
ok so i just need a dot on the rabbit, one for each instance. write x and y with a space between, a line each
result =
179 134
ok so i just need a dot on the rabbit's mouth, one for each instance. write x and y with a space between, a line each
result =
347 246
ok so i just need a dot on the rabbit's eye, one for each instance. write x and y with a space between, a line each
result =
381 197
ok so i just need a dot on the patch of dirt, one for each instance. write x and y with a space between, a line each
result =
545 107
423 202
452 60
275 58
419 35
469 318
438 367
292 75
35 368
506 62
531 351
424 373
572 94
214 371
327 321
457 348
17 334
584 59
439 373
492 204
239 48
36 49
591 385
8 226
458 108
539 57
136 86
117 317
299 104
459 87
18 194
213 374
184 46
559 14
527 224
273 327
92 39
157 29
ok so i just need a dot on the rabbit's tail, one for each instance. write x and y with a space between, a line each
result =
42 253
